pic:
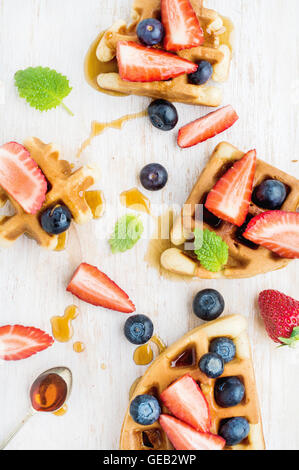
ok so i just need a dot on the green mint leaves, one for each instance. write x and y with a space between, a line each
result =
43 88
292 341
210 249
127 232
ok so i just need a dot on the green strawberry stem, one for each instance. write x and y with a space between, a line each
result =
67 109
292 341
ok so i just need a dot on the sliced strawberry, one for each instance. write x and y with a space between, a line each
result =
182 28
276 230
21 177
207 126
183 437
94 287
137 63
230 198
186 401
19 342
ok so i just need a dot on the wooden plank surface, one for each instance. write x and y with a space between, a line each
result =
264 88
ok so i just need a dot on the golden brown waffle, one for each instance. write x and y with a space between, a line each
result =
65 186
162 373
244 261
214 50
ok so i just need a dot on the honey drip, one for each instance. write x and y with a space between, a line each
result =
159 343
78 347
98 128
143 355
133 387
48 393
61 242
134 199
62 328
61 410
96 202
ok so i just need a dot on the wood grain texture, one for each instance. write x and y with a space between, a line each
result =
264 88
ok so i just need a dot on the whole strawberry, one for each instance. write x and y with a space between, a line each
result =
281 316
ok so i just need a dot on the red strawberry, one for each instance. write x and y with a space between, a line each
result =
21 177
230 198
281 316
183 437
207 126
186 401
94 287
276 230
137 63
19 342
182 28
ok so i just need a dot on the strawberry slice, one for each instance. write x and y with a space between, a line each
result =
182 28
276 230
230 198
207 127
19 342
94 287
21 177
186 401
183 437
137 63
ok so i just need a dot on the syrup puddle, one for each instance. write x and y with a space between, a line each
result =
144 354
78 347
62 327
135 200
98 128
61 411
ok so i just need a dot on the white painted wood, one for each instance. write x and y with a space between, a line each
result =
264 88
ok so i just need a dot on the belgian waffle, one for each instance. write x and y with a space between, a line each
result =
245 259
177 89
162 373
65 186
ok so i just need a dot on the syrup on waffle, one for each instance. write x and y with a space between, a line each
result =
245 258
163 372
65 186
177 89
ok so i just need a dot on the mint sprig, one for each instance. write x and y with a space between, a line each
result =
210 249
127 232
43 88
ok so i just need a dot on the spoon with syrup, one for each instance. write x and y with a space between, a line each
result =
48 393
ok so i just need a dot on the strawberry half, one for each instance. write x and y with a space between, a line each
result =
183 437
281 316
19 342
230 198
207 127
137 63
182 28
186 401
94 287
21 178
276 230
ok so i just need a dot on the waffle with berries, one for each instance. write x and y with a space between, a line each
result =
169 367
246 259
213 49
62 186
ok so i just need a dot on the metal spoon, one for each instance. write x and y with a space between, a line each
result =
66 375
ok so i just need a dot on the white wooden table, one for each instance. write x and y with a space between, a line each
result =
264 89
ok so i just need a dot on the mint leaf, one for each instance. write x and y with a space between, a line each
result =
43 88
127 232
210 249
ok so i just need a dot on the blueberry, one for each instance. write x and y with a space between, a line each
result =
234 430
229 391
270 194
150 31
208 304
202 74
153 177
145 409
163 115
138 329
224 347
212 365
56 220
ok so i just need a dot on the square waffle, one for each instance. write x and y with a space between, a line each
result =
162 373
215 50
65 186
245 259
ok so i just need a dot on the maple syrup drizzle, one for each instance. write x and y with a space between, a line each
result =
226 37
133 387
61 411
98 128
78 347
96 202
143 355
48 393
61 241
62 328
134 199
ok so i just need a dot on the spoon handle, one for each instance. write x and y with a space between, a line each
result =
6 441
